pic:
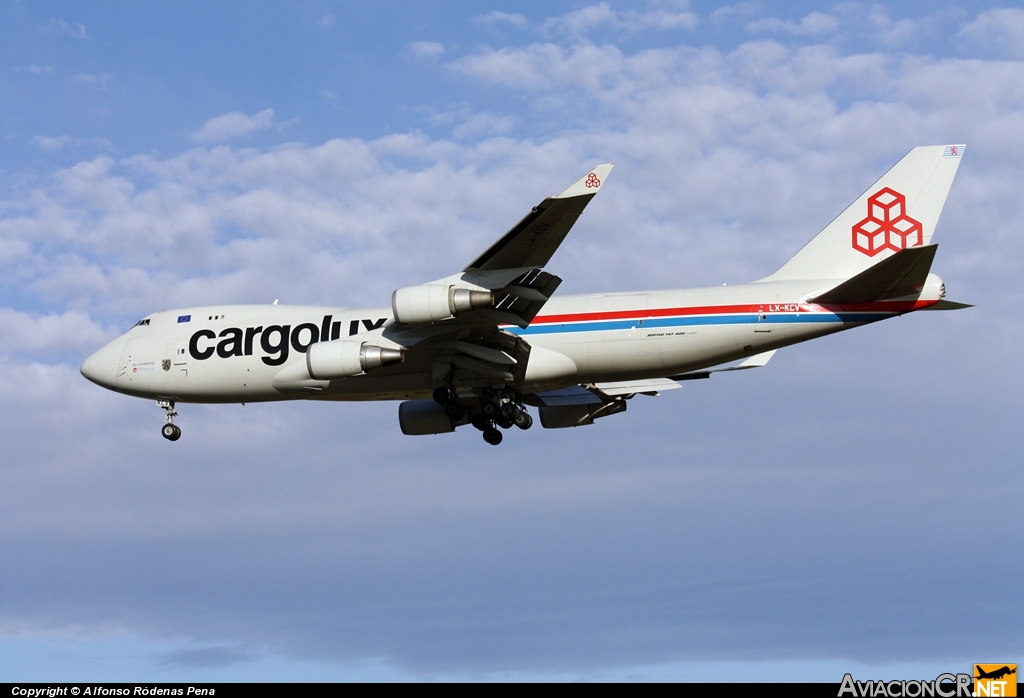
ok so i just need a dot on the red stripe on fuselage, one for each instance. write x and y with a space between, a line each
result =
769 308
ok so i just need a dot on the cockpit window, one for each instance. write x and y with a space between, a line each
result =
142 322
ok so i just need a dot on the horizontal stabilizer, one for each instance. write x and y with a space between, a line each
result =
948 305
902 274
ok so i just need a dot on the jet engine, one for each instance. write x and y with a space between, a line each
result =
343 358
417 305
421 417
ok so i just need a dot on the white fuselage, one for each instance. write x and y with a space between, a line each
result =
232 353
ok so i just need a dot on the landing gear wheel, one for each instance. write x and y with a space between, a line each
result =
508 411
503 423
169 431
442 395
480 422
492 436
455 411
523 420
490 409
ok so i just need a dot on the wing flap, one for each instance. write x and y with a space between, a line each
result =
755 361
526 295
597 393
573 395
650 385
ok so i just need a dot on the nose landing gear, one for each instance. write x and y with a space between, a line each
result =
170 430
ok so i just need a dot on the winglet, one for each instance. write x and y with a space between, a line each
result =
589 183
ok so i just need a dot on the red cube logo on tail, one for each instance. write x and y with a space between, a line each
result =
887 227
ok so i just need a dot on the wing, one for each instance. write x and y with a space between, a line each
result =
532 241
471 346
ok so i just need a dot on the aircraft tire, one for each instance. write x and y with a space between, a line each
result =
503 423
490 409
524 420
480 422
508 411
492 436
441 395
171 432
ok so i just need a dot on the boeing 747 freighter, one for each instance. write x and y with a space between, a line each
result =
484 345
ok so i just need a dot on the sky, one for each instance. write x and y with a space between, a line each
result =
849 507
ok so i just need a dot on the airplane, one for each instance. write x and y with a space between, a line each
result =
482 346
996 674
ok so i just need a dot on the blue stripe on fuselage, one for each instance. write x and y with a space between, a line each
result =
697 320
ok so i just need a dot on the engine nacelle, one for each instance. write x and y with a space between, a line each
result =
343 358
422 417
418 305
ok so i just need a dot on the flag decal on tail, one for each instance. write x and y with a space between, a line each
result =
887 226
953 151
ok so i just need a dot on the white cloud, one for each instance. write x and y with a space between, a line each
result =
94 79
51 145
426 49
888 32
468 125
47 69
814 24
496 18
520 68
233 125
59 26
580 22
31 333
1000 30
326 21
58 143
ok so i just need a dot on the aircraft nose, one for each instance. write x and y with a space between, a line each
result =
101 367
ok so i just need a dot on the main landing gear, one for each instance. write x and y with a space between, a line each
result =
170 430
501 410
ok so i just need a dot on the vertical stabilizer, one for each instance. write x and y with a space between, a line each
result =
898 211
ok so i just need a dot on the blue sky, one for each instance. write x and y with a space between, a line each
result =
848 508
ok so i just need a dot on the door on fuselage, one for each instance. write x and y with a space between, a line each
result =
178 358
754 334
624 345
